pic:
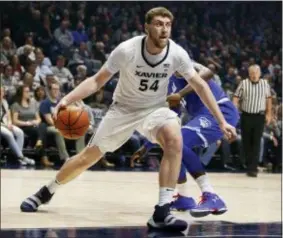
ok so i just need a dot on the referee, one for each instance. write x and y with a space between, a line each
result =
253 98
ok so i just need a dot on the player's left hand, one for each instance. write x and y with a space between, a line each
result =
229 131
174 100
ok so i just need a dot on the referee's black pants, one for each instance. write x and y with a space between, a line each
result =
252 126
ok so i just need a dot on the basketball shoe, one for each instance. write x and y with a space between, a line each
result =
43 196
182 203
210 204
163 219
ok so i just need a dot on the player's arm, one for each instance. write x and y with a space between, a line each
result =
186 69
88 86
204 72
97 81
205 94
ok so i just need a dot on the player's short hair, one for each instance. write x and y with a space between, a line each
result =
158 11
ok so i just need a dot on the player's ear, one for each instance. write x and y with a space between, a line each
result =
146 28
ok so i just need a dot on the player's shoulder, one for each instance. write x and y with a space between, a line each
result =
176 47
130 44
127 49
177 50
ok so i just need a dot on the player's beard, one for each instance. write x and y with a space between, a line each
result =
158 43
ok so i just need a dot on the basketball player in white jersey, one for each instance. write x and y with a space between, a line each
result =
145 64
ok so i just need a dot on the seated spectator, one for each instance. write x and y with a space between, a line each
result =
41 59
82 54
80 34
216 77
63 35
9 82
99 53
7 47
17 68
11 133
230 77
28 41
39 94
63 74
25 114
46 110
27 56
42 69
29 74
81 72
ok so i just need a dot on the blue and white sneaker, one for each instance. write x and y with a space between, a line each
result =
43 196
210 204
164 220
182 203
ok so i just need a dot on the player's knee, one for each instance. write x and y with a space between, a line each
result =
170 138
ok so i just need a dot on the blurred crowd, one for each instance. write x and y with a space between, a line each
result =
47 48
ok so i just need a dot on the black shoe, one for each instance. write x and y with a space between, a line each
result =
31 204
163 219
252 174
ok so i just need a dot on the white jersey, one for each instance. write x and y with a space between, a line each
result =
142 84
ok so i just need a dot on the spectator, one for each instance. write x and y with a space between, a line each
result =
28 76
43 67
27 55
216 77
80 35
230 77
46 110
138 31
39 94
11 133
29 42
17 68
65 77
41 59
63 35
7 48
9 82
99 53
25 115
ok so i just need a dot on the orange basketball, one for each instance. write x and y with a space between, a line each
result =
72 122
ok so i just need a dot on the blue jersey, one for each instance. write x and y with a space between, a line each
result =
192 101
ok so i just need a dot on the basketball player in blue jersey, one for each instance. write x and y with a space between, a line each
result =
202 130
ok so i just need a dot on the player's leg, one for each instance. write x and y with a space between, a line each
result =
163 126
112 132
210 202
70 170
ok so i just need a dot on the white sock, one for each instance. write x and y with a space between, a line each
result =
165 195
183 189
52 186
204 184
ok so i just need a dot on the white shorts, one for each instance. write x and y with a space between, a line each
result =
120 122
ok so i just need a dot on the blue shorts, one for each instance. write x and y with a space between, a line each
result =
206 127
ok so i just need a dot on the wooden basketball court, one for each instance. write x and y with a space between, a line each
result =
102 199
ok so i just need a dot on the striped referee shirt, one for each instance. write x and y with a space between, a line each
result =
253 96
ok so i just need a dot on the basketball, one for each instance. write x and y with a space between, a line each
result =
72 122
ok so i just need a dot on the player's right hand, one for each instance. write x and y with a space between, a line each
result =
60 106
229 131
174 100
